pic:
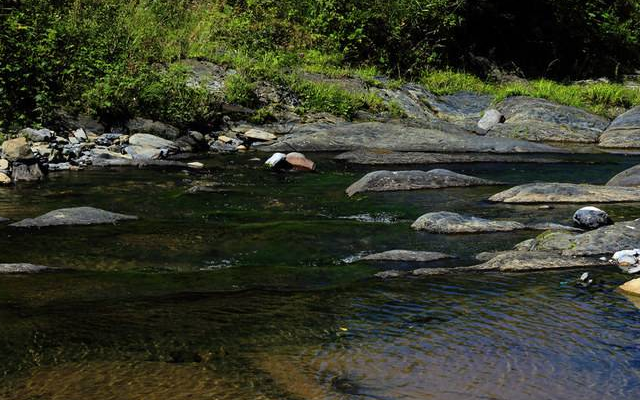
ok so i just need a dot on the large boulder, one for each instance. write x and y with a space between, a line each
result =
566 193
17 149
383 181
151 141
449 222
540 120
628 177
591 218
73 216
632 287
387 136
385 157
624 131
406 256
142 125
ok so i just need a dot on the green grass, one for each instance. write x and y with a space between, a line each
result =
606 99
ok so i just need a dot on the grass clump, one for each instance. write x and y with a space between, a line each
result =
602 98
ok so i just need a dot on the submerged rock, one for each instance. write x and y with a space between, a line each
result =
385 157
74 216
407 256
540 120
383 181
449 222
591 218
624 131
393 273
375 135
629 177
566 193
21 268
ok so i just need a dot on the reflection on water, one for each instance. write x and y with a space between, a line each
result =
233 295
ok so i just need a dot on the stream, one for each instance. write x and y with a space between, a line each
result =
248 291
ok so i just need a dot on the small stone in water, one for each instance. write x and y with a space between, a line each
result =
195 165
4 164
275 159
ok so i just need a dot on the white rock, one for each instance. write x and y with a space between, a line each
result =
275 159
490 119
4 164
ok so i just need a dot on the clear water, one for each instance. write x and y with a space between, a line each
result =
242 293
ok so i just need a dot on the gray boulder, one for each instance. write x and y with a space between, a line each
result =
628 177
37 135
396 137
406 256
566 193
591 218
540 120
624 131
380 157
73 216
142 125
21 268
448 222
151 141
383 181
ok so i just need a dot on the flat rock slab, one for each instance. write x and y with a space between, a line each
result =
624 131
74 216
21 268
398 137
566 193
407 256
602 241
629 177
448 222
522 261
540 120
381 157
519 261
386 181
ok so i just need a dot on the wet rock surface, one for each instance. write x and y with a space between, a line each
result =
449 222
407 256
624 131
73 216
382 181
381 157
566 193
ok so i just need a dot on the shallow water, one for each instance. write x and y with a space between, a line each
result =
243 293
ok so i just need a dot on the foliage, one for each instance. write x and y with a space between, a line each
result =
113 57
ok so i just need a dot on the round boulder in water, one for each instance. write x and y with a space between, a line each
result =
591 218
